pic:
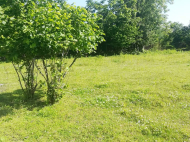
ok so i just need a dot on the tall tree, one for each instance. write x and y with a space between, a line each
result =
152 15
118 23
138 28
180 36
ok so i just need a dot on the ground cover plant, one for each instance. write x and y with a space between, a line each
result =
142 97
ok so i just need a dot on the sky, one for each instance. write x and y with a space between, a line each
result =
179 11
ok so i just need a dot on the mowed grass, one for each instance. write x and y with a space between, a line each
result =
142 97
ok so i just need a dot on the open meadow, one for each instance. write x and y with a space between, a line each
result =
122 98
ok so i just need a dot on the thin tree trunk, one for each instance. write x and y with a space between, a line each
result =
18 77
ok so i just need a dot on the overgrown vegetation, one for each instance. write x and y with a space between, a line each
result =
120 98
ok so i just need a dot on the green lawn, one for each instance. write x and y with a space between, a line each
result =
142 97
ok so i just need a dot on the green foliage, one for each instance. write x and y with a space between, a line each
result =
153 18
178 37
130 25
118 23
46 30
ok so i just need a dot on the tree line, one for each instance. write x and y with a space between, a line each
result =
134 25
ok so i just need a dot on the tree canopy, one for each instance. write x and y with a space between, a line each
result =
129 24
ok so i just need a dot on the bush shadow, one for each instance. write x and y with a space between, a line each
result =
15 100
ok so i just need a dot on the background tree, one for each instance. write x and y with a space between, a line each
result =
187 36
164 39
129 24
118 23
179 37
152 15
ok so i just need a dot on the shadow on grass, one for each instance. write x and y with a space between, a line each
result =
15 100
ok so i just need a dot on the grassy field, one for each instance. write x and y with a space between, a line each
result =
142 97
